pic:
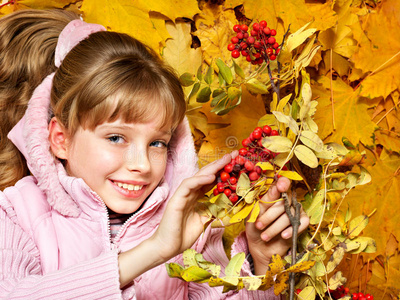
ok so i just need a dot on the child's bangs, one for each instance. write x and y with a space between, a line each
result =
138 105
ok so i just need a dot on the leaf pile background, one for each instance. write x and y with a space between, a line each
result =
354 77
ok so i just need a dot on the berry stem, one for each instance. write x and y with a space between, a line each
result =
7 3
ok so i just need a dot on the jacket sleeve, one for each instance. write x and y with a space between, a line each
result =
213 250
21 276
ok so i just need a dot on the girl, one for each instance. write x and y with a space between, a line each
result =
112 183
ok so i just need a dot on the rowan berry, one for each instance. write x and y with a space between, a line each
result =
234 198
257 135
224 176
236 28
269 51
243 151
273 32
251 40
267 31
227 192
271 40
258 169
275 45
228 168
232 180
240 35
249 166
215 192
240 160
263 23
233 187
267 130
231 47
274 132
256 26
235 53
369 297
272 57
346 289
244 27
254 176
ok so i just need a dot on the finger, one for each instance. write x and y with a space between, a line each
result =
275 228
190 185
270 215
304 222
215 166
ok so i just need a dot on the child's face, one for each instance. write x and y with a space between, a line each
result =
122 162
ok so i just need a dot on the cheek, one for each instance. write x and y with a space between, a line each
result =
159 162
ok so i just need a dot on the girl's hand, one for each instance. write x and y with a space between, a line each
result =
181 225
271 233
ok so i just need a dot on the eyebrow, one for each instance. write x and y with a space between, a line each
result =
127 127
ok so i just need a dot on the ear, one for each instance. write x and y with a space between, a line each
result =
58 138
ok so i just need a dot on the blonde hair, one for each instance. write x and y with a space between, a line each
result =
107 76
28 39
111 75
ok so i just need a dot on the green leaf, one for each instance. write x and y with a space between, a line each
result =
225 71
195 274
238 70
255 86
327 152
312 140
204 95
209 75
277 143
194 90
217 99
313 206
200 72
268 119
357 225
187 79
233 92
306 156
235 265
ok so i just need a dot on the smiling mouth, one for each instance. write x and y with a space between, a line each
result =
129 187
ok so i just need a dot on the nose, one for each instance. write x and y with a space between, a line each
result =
137 159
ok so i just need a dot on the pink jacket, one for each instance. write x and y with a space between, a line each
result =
54 230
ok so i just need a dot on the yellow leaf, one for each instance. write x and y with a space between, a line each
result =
242 214
312 140
235 265
306 156
357 225
254 213
265 165
178 52
174 270
251 283
308 293
277 143
301 266
276 265
255 86
281 283
350 112
243 185
291 175
195 274
313 207
335 259
297 38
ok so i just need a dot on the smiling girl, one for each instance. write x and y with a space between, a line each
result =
100 173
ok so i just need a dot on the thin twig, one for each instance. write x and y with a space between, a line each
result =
295 222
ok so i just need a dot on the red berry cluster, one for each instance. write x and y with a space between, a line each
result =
245 162
340 292
361 296
258 46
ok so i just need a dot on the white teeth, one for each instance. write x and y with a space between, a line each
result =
129 187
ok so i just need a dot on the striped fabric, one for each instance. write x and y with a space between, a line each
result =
116 222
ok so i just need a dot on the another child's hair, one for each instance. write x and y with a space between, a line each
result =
28 39
107 76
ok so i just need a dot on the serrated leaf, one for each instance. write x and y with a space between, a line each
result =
243 185
242 214
209 75
174 270
277 143
312 140
291 175
255 86
204 95
306 156
357 225
195 274
238 70
225 71
187 79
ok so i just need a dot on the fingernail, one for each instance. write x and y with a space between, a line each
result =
285 235
265 237
259 225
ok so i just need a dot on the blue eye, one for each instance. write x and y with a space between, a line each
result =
115 139
158 144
